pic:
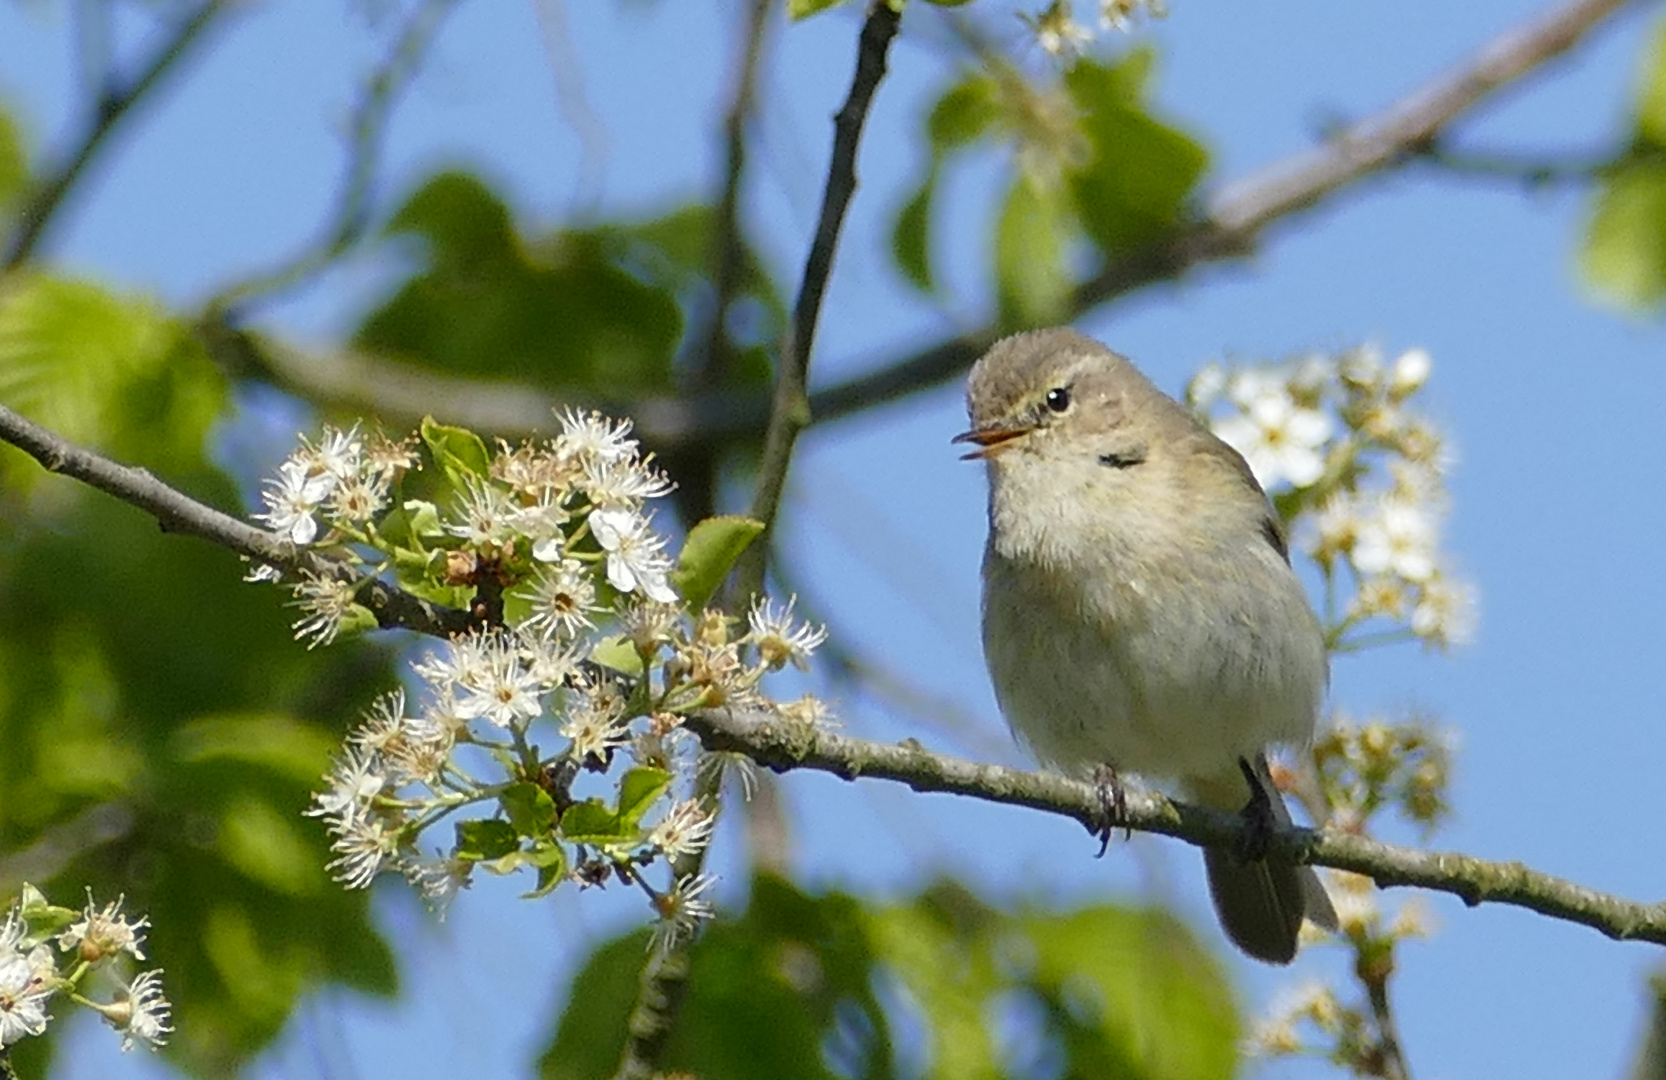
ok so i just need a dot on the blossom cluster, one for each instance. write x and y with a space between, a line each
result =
1059 34
1340 445
94 947
582 657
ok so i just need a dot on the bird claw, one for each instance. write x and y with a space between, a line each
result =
1259 820
1113 806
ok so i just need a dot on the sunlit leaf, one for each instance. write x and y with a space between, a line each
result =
485 838
1623 256
800 9
709 551
638 791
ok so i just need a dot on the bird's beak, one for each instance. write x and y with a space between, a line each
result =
989 440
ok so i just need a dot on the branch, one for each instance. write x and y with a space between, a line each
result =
665 979
115 102
1230 227
783 746
352 211
1234 219
177 512
790 410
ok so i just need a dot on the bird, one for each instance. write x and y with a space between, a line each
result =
1139 609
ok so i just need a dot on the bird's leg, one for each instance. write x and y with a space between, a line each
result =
1259 821
1113 805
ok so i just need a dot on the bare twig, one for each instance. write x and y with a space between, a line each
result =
784 745
1232 225
40 206
790 408
665 979
177 512
352 213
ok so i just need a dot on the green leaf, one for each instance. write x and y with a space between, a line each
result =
638 791
910 239
115 372
265 843
1651 103
1623 256
559 313
1139 171
966 112
1032 282
803 9
1158 1005
551 860
529 809
616 651
711 549
459 451
485 838
14 168
591 822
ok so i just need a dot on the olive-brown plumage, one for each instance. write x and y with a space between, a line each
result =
1139 609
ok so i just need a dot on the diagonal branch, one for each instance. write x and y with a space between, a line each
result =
177 512
351 216
784 745
41 205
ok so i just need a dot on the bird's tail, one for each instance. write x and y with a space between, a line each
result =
1261 904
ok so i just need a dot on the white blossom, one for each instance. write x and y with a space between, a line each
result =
1280 439
636 556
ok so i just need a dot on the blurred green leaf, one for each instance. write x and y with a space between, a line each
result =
1140 171
559 313
617 652
709 551
14 165
966 112
1623 256
267 845
800 9
114 372
788 989
910 239
1651 98
593 822
1032 281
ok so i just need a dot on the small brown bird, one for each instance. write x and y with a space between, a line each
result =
1139 609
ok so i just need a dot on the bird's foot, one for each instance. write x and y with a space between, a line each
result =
1113 805
1259 821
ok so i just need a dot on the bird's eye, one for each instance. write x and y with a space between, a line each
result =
1058 399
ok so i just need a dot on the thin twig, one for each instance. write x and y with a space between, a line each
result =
177 512
40 207
665 979
1233 225
352 213
784 745
790 406
1391 1058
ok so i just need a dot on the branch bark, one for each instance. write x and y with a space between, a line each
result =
1232 226
785 746
177 512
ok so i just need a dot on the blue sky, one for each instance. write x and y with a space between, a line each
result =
1553 405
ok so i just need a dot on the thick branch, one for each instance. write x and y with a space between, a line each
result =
784 745
177 512
115 102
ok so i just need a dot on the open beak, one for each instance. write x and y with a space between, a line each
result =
989 440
